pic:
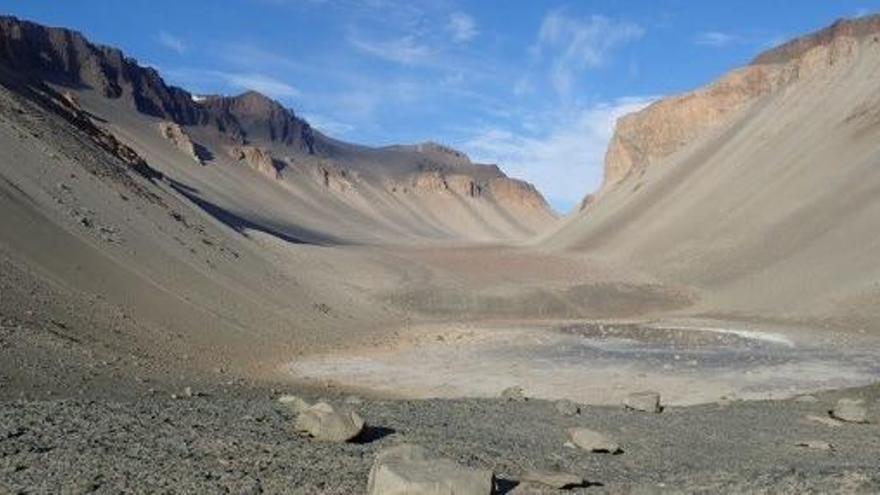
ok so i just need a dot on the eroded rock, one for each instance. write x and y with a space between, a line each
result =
514 393
593 441
566 407
646 401
327 423
410 469
552 479
176 134
294 403
851 411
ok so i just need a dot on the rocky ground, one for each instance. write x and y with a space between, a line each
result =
241 440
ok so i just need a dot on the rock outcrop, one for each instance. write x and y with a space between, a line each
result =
516 194
177 136
258 159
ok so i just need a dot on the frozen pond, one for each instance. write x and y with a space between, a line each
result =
600 364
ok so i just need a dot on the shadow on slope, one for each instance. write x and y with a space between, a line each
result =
241 225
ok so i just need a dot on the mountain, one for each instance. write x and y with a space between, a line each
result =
760 190
320 189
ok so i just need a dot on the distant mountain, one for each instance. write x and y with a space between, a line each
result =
761 188
424 191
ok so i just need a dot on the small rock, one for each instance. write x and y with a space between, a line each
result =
825 420
643 401
806 398
593 441
188 392
851 411
353 400
324 422
553 479
294 403
406 469
566 407
515 394
814 444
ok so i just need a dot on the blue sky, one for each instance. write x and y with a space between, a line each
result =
534 86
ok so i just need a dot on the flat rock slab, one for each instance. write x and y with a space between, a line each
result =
643 401
552 479
410 469
851 411
326 423
593 441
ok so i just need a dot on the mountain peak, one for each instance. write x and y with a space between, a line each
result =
254 102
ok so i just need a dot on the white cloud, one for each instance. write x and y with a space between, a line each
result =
262 83
172 42
199 80
716 38
462 26
404 50
328 125
565 160
579 44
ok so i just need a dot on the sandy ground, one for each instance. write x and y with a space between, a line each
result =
601 362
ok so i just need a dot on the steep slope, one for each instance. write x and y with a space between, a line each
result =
307 186
760 189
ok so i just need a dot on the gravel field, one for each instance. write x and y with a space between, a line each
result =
242 442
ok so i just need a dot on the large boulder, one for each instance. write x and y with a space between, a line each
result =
643 401
593 441
327 423
851 411
410 469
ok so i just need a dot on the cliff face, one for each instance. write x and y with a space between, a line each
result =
65 57
646 137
